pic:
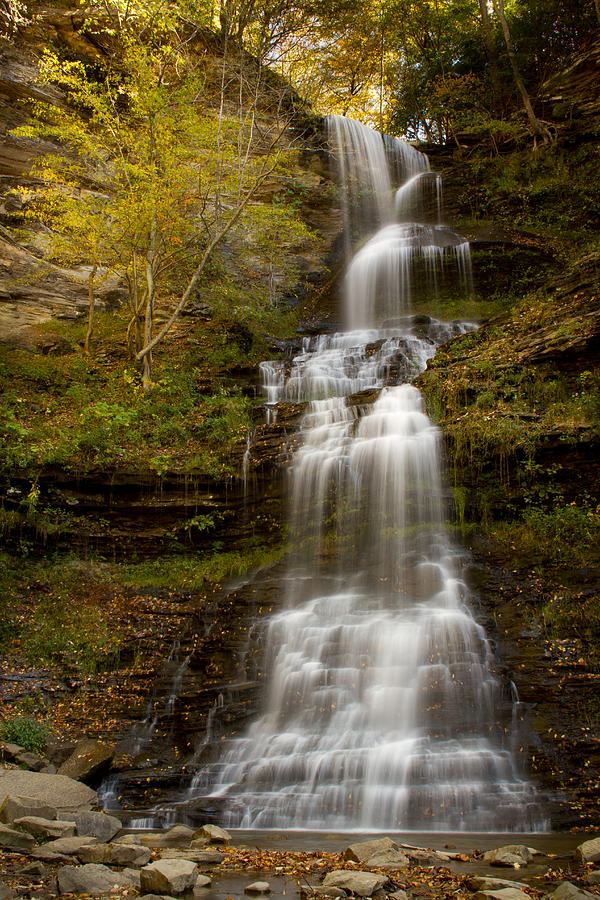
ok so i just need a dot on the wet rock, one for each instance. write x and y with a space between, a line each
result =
214 834
568 891
48 828
589 851
16 807
91 879
57 791
203 881
97 824
258 887
398 895
501 894
489 883
169 876
364 850
88 761
509 856
363 884
115 854
70 846
11 839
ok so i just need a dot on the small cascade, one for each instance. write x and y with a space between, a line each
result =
382 709
246 460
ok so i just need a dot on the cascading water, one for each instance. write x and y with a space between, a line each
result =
382 709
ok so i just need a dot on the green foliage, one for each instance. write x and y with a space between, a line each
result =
26 732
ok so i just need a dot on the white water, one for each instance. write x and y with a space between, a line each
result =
382 709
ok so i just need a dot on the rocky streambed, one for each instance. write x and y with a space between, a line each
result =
56 842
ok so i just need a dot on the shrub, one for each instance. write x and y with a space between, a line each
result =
25 732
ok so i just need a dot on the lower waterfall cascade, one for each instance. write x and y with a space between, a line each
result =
381 707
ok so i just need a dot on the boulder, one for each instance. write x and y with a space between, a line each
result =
98 825
132 876
129 839
593 878
132 855
5 892
31 761
568 891
46 828
321 891
364 850
16 807
363 884
154 897
178 836
11 839
10 751
426 858
258 887
202 881
398 895
91 879
35 870
393 859
501 894
69 846
510 856
88 761
589 851
214 834
489 883
168 876
57 791
206 857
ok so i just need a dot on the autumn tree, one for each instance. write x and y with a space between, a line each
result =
168 179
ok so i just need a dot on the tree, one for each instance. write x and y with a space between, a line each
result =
171 178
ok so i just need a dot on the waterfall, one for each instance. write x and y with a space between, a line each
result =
382 709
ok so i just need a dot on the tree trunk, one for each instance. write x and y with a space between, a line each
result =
487 29
538 129
90 327
149 316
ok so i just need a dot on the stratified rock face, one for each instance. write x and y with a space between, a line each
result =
57 791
